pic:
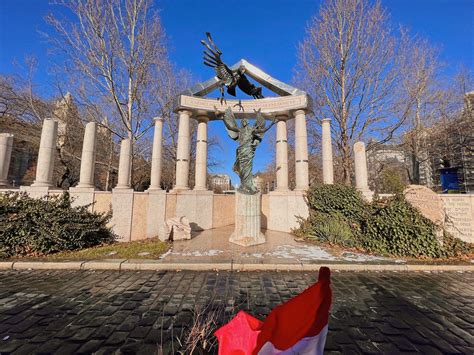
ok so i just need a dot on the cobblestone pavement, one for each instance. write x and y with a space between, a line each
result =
67 312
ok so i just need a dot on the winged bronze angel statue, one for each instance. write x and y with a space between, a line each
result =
249 137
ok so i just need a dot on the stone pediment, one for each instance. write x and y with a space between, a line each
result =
278 87
289 98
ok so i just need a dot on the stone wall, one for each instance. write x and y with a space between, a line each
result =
460 215
139 215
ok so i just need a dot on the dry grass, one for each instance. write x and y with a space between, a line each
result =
151 248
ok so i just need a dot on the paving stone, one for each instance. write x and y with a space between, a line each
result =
108 312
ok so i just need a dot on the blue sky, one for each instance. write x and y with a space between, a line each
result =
265 32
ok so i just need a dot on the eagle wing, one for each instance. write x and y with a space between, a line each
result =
212 58
250 89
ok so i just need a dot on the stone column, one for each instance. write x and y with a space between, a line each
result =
155 182
6 145
86 179
201 154
360 162
301 152
281 154
183 152
328 168
125 165
46 154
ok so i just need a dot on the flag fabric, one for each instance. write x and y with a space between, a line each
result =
298 326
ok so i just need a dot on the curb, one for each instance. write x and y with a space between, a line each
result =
125 265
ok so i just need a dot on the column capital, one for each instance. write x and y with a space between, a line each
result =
282 117
299 112
326 120
202 118
158 118
185 112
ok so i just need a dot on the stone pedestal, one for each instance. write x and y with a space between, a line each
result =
247 220
156 214
122 213
82 196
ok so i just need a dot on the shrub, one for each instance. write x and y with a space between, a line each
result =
339 215
333 229
337 199
48 225
399 229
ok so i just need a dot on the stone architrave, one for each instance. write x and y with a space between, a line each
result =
247 230
6 145
177 228
428 202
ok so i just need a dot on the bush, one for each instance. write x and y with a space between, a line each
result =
337 199
329 229
339 215
48 225
399 229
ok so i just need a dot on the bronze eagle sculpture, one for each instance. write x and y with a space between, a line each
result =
227 77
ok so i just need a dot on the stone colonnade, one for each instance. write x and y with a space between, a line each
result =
47 153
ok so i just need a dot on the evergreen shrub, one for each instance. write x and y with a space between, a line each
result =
30 226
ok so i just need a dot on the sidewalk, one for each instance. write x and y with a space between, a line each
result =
211 250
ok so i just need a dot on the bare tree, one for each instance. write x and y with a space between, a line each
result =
348 62
420 99
111 52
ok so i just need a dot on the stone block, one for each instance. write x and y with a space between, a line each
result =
177 228
82 196
122 206
197 206
156 214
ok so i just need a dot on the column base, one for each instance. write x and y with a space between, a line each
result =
41 184
247 230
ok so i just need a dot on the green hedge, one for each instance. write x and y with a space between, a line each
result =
339 215
48 225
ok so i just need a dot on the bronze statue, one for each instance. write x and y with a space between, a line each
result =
249 137
228 78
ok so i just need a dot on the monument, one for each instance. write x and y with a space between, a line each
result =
248 199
